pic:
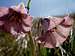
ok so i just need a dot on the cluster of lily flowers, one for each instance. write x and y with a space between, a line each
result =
16 21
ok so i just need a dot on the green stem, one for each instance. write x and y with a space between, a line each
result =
28 5
32 46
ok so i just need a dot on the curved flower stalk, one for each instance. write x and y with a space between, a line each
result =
55 31
15 20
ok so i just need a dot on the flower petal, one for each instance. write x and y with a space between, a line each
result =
27 21
63 31
47 40
52 24
57 20
26 29
59 39
67 21
20 8
3 11
1 23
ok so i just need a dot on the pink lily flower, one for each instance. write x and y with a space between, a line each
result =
56 31
15 19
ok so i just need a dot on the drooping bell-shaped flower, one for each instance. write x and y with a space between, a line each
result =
15 19
56 31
